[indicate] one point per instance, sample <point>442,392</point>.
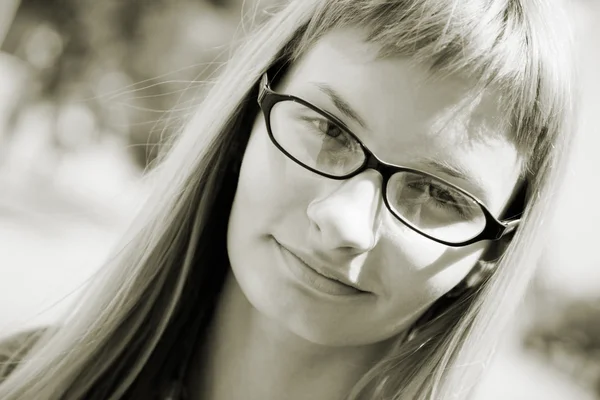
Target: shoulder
<point>14,348</point>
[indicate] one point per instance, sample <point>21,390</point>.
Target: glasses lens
<point>315,140</point>
<point>434,207</point>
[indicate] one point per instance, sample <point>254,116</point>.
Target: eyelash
<point>342,133</point>
<point>460,210</point>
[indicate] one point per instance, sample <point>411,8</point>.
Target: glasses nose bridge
<point>385,170</point>
<point>373,162</point>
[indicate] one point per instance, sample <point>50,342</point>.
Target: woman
<point>337,221</point>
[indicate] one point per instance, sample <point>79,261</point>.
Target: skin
<point>274,336</point>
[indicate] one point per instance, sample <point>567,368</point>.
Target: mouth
<point>317,277</point>
<point>328,276</point>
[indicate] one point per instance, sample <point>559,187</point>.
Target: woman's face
<point>283,213</point>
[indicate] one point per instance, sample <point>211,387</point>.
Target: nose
<point>347,219</point>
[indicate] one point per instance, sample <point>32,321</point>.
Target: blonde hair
<point>140,307</point>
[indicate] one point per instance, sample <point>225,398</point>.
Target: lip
<point>319,277</point>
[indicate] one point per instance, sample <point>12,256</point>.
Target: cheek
<point>262,174</point>
<point>271,187</point>
<point>259,166</point>
<point>447,271</point>
<point>418,271</point>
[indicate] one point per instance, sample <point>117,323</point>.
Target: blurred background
<point>87,90</point>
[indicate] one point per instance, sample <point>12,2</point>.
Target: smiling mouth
<point>317,278</point>
<point>325,275</point>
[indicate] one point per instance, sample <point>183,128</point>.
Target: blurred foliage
<point>565,332</point>
<point>135,66</point>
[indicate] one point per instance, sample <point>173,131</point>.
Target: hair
<point>158,291</point>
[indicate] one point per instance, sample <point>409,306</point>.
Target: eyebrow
<point>340,103</point>
<point>462,174</point>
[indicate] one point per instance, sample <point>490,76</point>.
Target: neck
<point>247,355</point>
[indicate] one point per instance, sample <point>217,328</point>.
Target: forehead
<point>409,113</point>
<point>389,89</point>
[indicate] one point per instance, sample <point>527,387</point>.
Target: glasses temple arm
<point>262,87</point>
<point>510,226</point>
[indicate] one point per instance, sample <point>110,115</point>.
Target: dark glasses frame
<point>494,228</point>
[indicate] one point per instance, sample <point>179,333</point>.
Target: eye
<point>427,190</point>
<point>441,194</point>
<point>328,128</point>
<point>448,197</point>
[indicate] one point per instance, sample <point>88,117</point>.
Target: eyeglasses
<point>321,143</point>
